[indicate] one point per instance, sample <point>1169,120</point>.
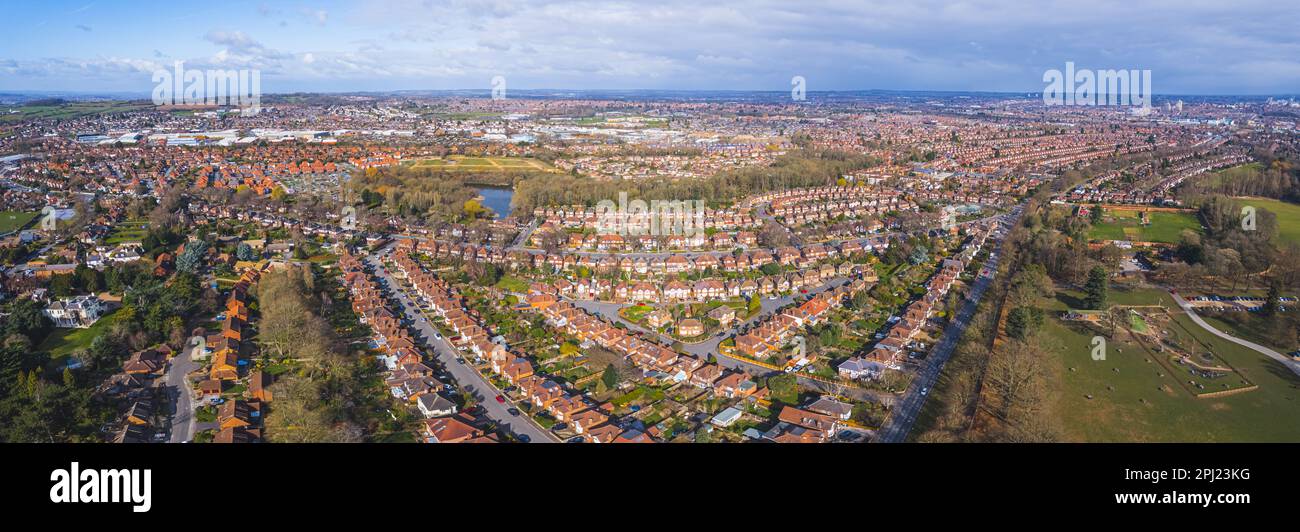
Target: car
<point>560,426</point>
<point>460,360</point>
<point>575,439</point>
<point>159,437</point>
<point>437,335</point>
<point>501,399</point>
<point>524,438</point>
<point>925,391</point>
<point>513,411</point>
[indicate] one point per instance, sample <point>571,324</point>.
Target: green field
<point>1288,216</point>
<point>66,111</point>
<point>1149,404</point>
<point>13,220</point>
<point>484,164</point>
<point>127,232</point>
<point>1165,227</point>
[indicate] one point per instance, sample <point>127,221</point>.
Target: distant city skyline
<point>1192,48</point>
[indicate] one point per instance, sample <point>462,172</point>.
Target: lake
<point>497,199</point>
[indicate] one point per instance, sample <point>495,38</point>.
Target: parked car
<point>501,399</point>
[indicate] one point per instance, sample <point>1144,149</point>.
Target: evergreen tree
<point>1095,291</point>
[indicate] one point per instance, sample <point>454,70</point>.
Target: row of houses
<point>610,241</point>
<point>657,363</point>
<point>592,218</point>
<point>408,377</point>
<point>702,290</point>
<point>588,419</point>
<point>890,351</point>
<point>238,421</point>
<point>797,256</point>
<point>767,337</point>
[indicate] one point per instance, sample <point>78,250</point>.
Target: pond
<point>497,199</point>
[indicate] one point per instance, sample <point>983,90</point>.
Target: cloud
<point>1197,45</point>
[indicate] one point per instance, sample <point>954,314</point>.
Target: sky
<point>1243,47</point>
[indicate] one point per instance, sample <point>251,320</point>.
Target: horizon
<point>144,95</point>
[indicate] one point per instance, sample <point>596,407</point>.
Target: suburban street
<point>904,413</point>
<point>466,376</point>
<point>182,402</point>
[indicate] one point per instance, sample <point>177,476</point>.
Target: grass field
<point>66,110</point>
<point>1288,216</point>
<point>13,220</point>
<point>127,232</point>
<point>1164,227</point>
<point>1135,398</point>
<point>484,164</point>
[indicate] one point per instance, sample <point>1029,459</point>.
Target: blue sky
<point>1191,46</point>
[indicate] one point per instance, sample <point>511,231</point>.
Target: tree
<point>610,377</point>
<point>26,318</point>
<point>191,259</point>
<point>1274,300</point>
<point>784,388</point>
<point>1023,321</point>
<point>1095,291</point>
<point>245,252</point>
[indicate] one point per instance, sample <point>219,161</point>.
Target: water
<point>497,199</point>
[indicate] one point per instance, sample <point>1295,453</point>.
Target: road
<point>905,411</point>
<point>181,395</point>
<point>465,375</point>
<point>1191,313</point>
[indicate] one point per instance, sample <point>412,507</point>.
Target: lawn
<point>127,232</point>
<point>1148,403</point>
<point>63,342</point>
<point>511,283</point>
<point>1288,216</point>
<point>13,220</point>
<point>1164,227</point>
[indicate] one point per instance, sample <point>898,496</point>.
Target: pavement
<point>904,413</point>
<point>465,375</point>
<point>181,395</point>
<point>1191,313</point>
